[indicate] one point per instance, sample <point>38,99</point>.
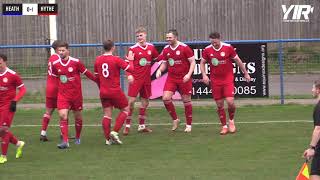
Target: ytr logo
<point>297,12</point>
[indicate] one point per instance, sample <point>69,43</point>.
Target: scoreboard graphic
<point>29,9</point>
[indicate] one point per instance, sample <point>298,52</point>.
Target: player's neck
<point>174,45</point>
<point>142,44</point>
<point>107,53</point>
<point>66,58</point>
<point>2,70</point>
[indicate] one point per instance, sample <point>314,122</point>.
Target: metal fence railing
<point>293,64</point>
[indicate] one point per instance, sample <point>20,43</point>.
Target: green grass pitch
<point>266,147</point>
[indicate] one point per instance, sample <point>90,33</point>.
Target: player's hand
<point>186,78</point>
<point>247,77</point>
<point>158,74</point>
<point>205,79</point>
<point>130,56</point>
<point>308,154</point>
<point>130,79</point>
<point>13,106</point>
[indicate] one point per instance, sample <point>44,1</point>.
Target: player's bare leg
<point>188,112</point>
<point>142,116</point>
<point>78,125</point>
<point>167,100</point>
<point>222,116</point>
<point>126,129</point>
<point>114,135</point>
<point>63,114</point>
<point>45,122</point>
<point>231,111</point>
<point>106,124</point>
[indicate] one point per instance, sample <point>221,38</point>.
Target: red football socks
<point>64,129</point>
<point>120,120</point>
<point>78,127</point>
<point>170,108</point>
<point>106,123</point>
<point>142,115</point>
<point>222,116</point>
<point>188,112</point>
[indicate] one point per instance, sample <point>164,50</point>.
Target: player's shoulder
<point>226,45</point>
<point>166,47</point>
<point>149,44</point>
<point>10,71</point>
<point>74,59</point>
<point>134,46</point>
<point>208,47</point>
<point>54,57</point>
<point>183,44</point>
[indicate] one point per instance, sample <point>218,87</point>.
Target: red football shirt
<point>68,72</point>
<point>107,68</point>
<point>9,82</point>
<point>52,81</point>
<point>177,60</point>
<point>143,57</point>
<point>220,60</point>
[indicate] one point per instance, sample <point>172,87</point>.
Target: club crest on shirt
<point>214,61</point>
<point>149,52</point>
<point>222,54</point>
<point>5,80</point>
<point>143,61</point>
<point>178,52</point>
<point>168,54</point>
<point>70,69</point>
<point>140,53</point>
<point>63,78</point>
<point>171,61</point>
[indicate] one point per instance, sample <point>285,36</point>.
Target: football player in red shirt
<point>68,70</point>
<point>51,93</point>
<point>10,81</point>
<point>220,56</point>
<point>107,70</point>
<point>180,61</point>
<point>140,79</point>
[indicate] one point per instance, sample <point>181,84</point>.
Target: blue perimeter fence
<point>121,51</point>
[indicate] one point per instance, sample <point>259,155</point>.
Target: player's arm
<point>205,78</point>
<point>309,153</point>
<point>243,69</point>
<point>191,69</point>
<point>86,72</point>
<point>21,92</point>
<point>130,57</point>
<point>163,61</point>
<point>96,73</point>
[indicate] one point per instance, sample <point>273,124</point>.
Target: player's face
<point>171,39</point>
<point>3,64</point>
<point>63,52</point>
<point>215,43</point>
<point>141,37</point>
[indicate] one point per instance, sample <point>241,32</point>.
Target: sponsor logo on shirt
<point>143,61</point>
<point>63,79</point>
<point>214,61</point>
<point>2,88</point>
<point>171,61</point>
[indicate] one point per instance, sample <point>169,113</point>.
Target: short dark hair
<point>214,35</point>
<point>108,45</point>
<point>3,57</point>
<point>56,44</point>
<point>62,44</point>
<point>173,31</point>
<point>317,84</point>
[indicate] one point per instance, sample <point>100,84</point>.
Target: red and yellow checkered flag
<point>303,173</point>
